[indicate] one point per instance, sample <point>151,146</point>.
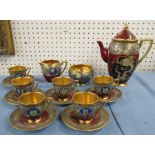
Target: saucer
<point>114,95</point>
<point>100,120</point>
<point>7,81</point>
<point>57,101</point>
<point>19,122</point>
<point>11,98</point>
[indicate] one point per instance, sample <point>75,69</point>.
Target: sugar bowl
<point>81,72</point>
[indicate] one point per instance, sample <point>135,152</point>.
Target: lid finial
<point>126,26</point>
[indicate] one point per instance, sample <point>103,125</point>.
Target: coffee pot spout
<point>104,51</point>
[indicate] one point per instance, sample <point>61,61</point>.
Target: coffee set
<point>84,110</point>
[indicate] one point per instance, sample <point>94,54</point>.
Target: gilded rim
<point>66,119</point>
<point>32,105</point>
<point>7,80</point>
<point>109,100</point>
<point>49,62</point>
<point>51,111</point>
<point>26,84</point>
<point>103,76</point>
<point>8,97</point>
<point>72,68</point>
<point>50,95</point>
<point>125,40</point>
<point>62,77</point>
<point>91,93</point>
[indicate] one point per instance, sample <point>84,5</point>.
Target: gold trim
<point>9,100</point>
<point>41,102</point>
<point>7,80</point>
<point>84,127</point>
<point>74,67</point>
<point>122,84</point>
<point>124,40</point>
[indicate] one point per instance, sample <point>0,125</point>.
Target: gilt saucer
<point>12,98</point>
<point>99,121</point>
<point>57,101</point>
<point>114,95</point>
<point>7,80</point>
<point>19,122</point>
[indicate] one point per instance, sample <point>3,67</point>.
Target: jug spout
<point>104,51</point>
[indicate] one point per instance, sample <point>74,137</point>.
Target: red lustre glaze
<point>63,98</point>
<point>122,66</point>
<point>43,117</point>
<point>49,78</point>
<point>95,120</point>
<point>125,34</point>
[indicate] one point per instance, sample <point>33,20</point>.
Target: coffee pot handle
<point>150,42</point>
<point>63,62</point>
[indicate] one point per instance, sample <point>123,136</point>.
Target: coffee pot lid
<point>125,35</point>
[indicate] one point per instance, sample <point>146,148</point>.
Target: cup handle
<point>35,85</point>
<point>116,83</point>
<point>63,62</point>
<point>28,69</point>
<point>75,83</point>
<point>48,102</point>
<point>150,41</point>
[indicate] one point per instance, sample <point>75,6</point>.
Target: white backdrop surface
<point>74,41</point>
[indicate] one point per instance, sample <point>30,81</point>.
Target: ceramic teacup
<point>23,84</point>
<point>32,104</point>
<point>81,72</point>
<point>52,68</point>
<point>63,86</point>
<point>18,71</point>
<point>86,105</point>
<point>103,85</point>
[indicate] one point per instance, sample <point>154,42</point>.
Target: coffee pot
<point>122,55</point>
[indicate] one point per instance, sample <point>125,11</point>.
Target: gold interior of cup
<point>21,81</point>
<point>62,81</point>
<point>49,62</point>
<point>31,98</point>
<point>85,98</point>
<point>17,68</point>
<point>103,80</point>
<point>81,68</point>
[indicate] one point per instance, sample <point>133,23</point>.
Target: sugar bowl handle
<point>63,62</point>
<point>150,42</point>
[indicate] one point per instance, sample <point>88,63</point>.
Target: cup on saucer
<point>103,85</point>
<point>23,84</point>
<point>32,104</point>
<point>18,71</point>
<point>63,87</point>
<point>86,106</point>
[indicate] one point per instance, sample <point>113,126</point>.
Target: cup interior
<point>85,98</point>
<point>31,98</point>
<point>49,62</point>
<point>21,81</point>
<point>103,80</point>
<point>17,69</point>
<point>62,81</point>
<point>81,68</point>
